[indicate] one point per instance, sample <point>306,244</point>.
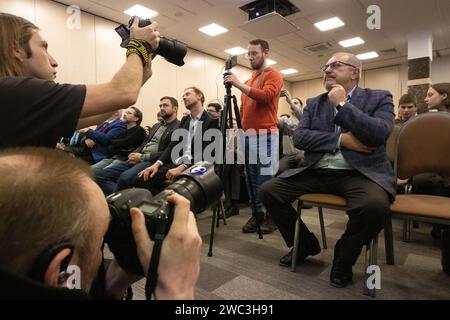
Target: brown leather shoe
<point>310,249</point>
<point>250,225</point>
<point>268,226</point>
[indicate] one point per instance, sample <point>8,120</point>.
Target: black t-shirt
<point>37,112</point>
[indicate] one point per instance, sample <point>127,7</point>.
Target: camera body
<point>231,62</point>
<point>199,184</point>
<point>172,50</point>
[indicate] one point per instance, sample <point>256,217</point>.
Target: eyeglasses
<point>251,54</point>
<point>335,65</point>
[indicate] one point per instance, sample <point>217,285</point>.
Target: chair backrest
<point>423,145</point>
<point>390,143</point>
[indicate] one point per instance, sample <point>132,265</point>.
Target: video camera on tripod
<point>230,63</point>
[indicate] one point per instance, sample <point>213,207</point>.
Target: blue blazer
<point>369,116</point>
<point>103,139</point>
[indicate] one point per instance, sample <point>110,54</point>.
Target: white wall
<point>440,70</point>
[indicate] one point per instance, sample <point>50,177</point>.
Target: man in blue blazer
<point>343,133</point>
<point>99,139</point>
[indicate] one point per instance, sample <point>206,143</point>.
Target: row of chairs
<point>421,145</point>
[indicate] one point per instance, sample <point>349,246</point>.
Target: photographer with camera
<point>259,108</point>
<point>44,243</point>
<point>39,111</point>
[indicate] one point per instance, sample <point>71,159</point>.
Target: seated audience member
<point>147,129</point>
<point>214,109</point>
<point>122,172</point>
<point>40,111</point>
<point>290,155</point>
<point>159,116</point>
<point>407,107</point>
<point>343,133</point>
<point>166,168</point>
<point>62,222</point>
<point>97,141</point>
<point>131,139</point>
<point>438,98</point>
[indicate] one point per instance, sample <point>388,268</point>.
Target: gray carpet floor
<point>245,267</point>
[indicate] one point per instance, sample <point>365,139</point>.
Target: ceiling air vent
<point>318,47</point>
<point>388,51</point>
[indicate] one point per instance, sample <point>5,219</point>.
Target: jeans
<point>261,158</point>
<point>119,175</point>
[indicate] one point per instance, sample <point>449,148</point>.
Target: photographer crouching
<point>44,243</point>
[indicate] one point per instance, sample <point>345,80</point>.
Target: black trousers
<point>368,206</point>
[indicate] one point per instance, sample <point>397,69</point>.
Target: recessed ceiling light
<point>236,51</point>
<point>367,55</point>
<point>271,62</point>
<point>329,24</point>
<point>141,12</point>
<point>351,42</point>
<point>213,29</point>
<point>289,71</point>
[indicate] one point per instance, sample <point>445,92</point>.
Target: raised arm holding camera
<point>39,110</point>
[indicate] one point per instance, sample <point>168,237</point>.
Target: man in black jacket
<point>131,139</point>
<point>121,173</point>
<point>172,163</point>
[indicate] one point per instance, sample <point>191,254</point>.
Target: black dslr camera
<point>172,50</point>
<point>199,184</point>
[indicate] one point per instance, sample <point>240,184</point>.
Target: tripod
<point>227,120</point>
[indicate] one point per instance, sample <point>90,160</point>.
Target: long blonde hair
<point>15,32</point>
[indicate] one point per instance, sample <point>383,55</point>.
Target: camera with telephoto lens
<point>172,50</point>
<point>199,184</point>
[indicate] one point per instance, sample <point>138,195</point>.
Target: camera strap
<point>152,275</point>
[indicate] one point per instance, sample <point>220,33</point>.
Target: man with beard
<point>172,163</point>
<point>343,132</point>
<point>259,108</point>
<point>122,172</point>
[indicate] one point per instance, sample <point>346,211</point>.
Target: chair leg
<point>389,241</point>
<point>296,243</point>
<point>407,230</point>
<point>322,228</point>
<point>296,237</point>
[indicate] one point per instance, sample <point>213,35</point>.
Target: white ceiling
<point>181,19</point>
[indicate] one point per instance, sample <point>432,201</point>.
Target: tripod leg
<point>211,238</point>
<point>221,212</point>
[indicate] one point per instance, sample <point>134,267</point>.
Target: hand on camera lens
<point>149,33</point>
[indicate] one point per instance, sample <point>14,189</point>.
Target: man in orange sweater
<point>259,108</point>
